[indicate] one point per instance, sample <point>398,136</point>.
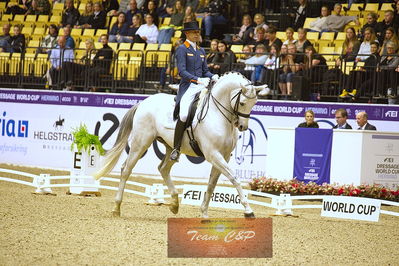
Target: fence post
<point>42,180</point>
<point>283,204</point>
<point>156,192</point>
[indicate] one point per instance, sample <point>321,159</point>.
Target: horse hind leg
<point>164,168</point>
<point>133,157</point>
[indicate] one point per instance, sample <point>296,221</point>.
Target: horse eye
<point>242,104</point>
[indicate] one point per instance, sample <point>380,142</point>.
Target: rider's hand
<point>215,77</point>
<point>204,81</point>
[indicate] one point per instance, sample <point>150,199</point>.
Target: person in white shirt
<point>147,32</point>
<point>320,22</point>
<point>365,47</point>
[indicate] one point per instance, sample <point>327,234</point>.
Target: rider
<point>194,73</point>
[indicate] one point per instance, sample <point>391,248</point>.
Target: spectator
<point>320,23</point>
<point>134,10</point>
<point>97,20</point>
<point>271,66</point>
<point>302,41</point>
<point>245,34</point>
<point>289,32</point>
<point>176,22</point>
<point>285,75</point>
<point>73,70</point>
<point>5,38</point>
<point>189,14</point>
<point>371,23</point>
<point>243,68</point>
<point>213,15</point>
<point>256,62</point>
<point>337,22</point>
<point>152,10</point>
<point>120,28</point>
<point>85,17</point>
<point>213,49</point>
<point>223,60</point>
<point>19,8</point>
<point>137,21</point>
<point>70,15</point>
<point>259,20</point>
<point>300,13</point>
<point>70,42</point>
<point>124,6</point>
<point>49,41</point>
<point>39,7</point>
<point>261,38</point>
<point>350,47</point>
<point>315,65</point>
<point>341,115</point>
<point>389,62</point>
<point>396,14</point>
<point>390,35</point>
<point>382,26</point>
<point>364,50</point>
<point>271,37</point>
<point>17,41</point>
<point>147,32</point>
<point>101,62</point>
<point>361,119</point>
<point>309,120</point>
<point>110,5</point>
<point>165,8</point>
<point>193,4</point>
<point>62,53</point>
<point>364,79</point>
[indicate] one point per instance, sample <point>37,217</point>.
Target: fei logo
<point>13,128</point>
<point>391,113</point>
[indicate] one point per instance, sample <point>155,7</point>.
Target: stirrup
<point>175,154</point>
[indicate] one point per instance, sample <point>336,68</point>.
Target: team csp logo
<point>13,128</point>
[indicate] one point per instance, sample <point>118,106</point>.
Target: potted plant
<point>84,141</point>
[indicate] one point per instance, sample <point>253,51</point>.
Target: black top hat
<point>192,25</point>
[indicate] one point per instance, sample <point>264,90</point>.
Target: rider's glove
<point>204,81</point>
<point>215,77</point>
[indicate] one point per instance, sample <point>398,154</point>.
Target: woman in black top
<point>309,117</point>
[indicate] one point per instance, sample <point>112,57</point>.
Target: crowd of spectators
<point>370,45</point>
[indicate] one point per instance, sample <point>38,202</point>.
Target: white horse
<point>226,108</point>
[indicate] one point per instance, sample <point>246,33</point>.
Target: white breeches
<point>186,100</point>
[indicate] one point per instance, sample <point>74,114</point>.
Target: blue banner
<point>312,158</point>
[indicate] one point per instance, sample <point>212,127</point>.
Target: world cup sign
<point>220,238</point>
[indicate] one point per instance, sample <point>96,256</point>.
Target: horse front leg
<point>164,168</point>
<point>213,179</point>
<point>220,163</point>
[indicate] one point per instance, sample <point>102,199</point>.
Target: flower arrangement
<point>296,187</point>
<point>83,140</point>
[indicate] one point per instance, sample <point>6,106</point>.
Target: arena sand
<point>75,230</point>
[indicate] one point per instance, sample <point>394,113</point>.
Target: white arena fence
<point>155,193</point>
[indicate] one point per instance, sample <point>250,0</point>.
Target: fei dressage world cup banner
<point>312,159</point>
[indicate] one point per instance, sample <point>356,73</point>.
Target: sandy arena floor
<point>74,230</point>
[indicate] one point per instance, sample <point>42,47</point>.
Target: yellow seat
<point>6,17</point>
<point>120,68</point>
<point>331,64</point>
<point>55,19</point>
<point>113,21</point>
<point>165,21</point>
<point>98,45</point>
<point>151,54</point>
<point>326,39</point>
<point>306,25</point>
<point>165,47</point>
<point>125,46</point>
<point>281,35</point>
<point>41,65</point>
<point>100,32</point>
<point>15,63</point>
<point>2,6</point>
<point>371,7</point>
<point>76,32</point>
<point>19,18</point>
<point>386,6</point>
<point>27,31</point>
<point>30,18</point>
<point>29,63</point>
<point>4,63</point>
<point>347,67</point>
<point>312,36</point>
<point>236,48</point>
<point>79,53</point>
<point>42,21</point>
<point>58,6</point>
<point>177,34</point>
<point>39,32</point>
<point>89,32</point>
<point>133,68</point>
<point>113,45</point>
<point>327,52</point>
<point>338,49</point>
<point>338,43</point>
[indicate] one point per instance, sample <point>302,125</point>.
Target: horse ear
<point>262,90</point>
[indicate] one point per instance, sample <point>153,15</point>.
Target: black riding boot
<point>179,132</point>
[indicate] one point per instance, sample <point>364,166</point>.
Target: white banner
<point>351,208</point>
<point>222,197</point>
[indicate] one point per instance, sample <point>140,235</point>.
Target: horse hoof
<point>250,215</point>
<point>116,214</point>
<point>174,209</point>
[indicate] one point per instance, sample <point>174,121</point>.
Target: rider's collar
<point>193,44</point>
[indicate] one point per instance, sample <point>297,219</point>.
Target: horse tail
<point>113,154</point>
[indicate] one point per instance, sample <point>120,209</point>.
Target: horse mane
<point>228,74</point>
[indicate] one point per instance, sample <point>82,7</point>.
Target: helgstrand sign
<point>351,208</point>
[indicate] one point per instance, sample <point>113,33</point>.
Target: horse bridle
<point>235,112</point>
